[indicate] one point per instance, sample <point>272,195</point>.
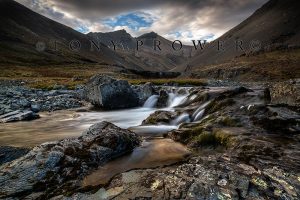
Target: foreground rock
<point>109,93</point>
<point>207,177</point>
<point>57,167</point>
<point>8,154</point>
<point>244,148</point>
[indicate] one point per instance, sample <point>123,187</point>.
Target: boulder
<point>109,93</point>
<point>144,92</point>
<point>160,117</point>
<point>51,167</point>
<point>162,99</point>
<point>18,115</point>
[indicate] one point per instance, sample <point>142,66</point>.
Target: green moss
<point>152,120</point>
<point>217,138</point>
<point>230,122</point>
<point>218,105</point>
<point>260,183</point>
<point>205,139</point>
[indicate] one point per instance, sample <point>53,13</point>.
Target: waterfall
<point>175,100</point>
<point>184,117</point>
<point>198,114</point>
<point>151,101</point>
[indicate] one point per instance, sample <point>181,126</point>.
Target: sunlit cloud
<point>174,19</point>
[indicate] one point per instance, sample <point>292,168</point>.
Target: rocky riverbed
<point>244,143</point>
<point>18,103</point>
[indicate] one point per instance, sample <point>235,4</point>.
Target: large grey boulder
<point>54,167</point>
<point>109,93</point>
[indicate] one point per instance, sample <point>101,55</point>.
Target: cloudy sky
<point>174,19</point>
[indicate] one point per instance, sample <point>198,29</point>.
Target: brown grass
<point>46,77</point>
<point>180,82</point>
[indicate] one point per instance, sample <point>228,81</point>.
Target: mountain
<point>146,56</point>
<point>275,26</point>
<point>117,36</point>
<point>22,29</point>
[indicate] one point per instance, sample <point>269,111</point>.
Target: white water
<point>184,117</point>
<point>151,102</point>
<point>175,100</point>
<point>198,114</point>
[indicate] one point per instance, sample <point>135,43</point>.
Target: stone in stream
<point>56,167</point>
<point>160,116</point>
<point>162,99</point>
<point>109,93</point>
<point>18,116</point>
<point>144,91</point>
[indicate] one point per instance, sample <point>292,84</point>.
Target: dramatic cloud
<point>173,19</point>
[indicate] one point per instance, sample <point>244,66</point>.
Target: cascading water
<point>184,117</point>
<point>151,101</point>
<point>198,114</point>
<point>176,99</point>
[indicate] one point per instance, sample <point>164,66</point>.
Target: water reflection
<point>152,153</point>
<point>65,124</point>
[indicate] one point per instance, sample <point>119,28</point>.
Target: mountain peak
<point>149,35</point>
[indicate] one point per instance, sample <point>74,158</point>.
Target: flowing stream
<point>155,151</point>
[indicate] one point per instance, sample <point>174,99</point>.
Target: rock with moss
<point>56,167</point>
<point>160,117</point>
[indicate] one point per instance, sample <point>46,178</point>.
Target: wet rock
<point>18,116</point>
<point>8,154</point>
<point>160,117</point>
<point>109,93</point>
<point>267,95</point>
<point>162,99</point>
<point>144,92</point>
<point>55,167</point>
<point>35,108</point>
<point>278,119</point>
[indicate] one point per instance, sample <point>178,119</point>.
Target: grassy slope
<point>271,66</point>
<point>45,77</point>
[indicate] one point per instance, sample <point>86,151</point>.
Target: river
<point>155,151</point>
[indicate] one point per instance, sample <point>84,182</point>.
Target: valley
<point>93,114</point>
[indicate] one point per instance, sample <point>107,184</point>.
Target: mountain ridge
<point>261,27</point>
